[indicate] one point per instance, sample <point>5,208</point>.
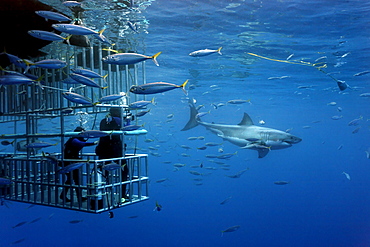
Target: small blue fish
<point>18,62</point>
<point>205,52</point>
<point>6,143</point>
<point>336,117</point>
<point>47,64</point>
<point>109,98</point>
<point>102,38</point>
<point>362,73</point>
<point>77,98</point>
<point>35,220</point>
<point>71,4</point>
<point>226,156</point>
<point>19,224</point>
<point>201,114</point>
<point>212,144</point>
<point>202,148</point>
<point>71,167</point>
<point>87,73</point>
<point>238,101</point>
<point>230,229</point>
<point>14,79</point>
<point>45,35</point>
<point>5,181</point>
<point>69,80</point>
<point>85,80</point>
<point>129,58</point>
<point>40,145</point>
<point>347,175</point>
<point>140,104</point>
<point>157,87</point>
<point>74,29</point>
<point>142,113</point>
<point>158,207</point>
<point>50,15</point>
<point>355,122</point>
<point>132,26</point>
<point>226,200</point>
<point>75,221</point>
<point>365,95</point>
<point>18,241</point>
<point>52,158</point>
<point>67,110</point>
<point>112,166</point>
<point>281,182</point>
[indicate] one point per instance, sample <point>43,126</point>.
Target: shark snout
<point>293,139</point>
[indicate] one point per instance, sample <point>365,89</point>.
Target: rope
<point>341,84</point>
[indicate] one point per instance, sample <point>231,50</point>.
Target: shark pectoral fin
<point>262,152</point>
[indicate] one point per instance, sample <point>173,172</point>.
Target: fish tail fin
<point>28,64</point>
<point>68,38</point>
<point>154,57</point>
<point>193,117</point>
<point>101,31</point>
<point>109,49</point>
<point>183,87</point>
<point>219,50</point>
<point>38,82</point>
<point>153,102</point>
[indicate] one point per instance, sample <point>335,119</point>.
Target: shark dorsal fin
<point>246,120</point>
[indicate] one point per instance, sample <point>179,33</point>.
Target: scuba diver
<point>72,150</point>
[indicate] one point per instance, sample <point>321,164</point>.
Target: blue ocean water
<point>320,206</point>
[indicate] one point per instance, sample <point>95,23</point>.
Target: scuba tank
<point>96,192</point>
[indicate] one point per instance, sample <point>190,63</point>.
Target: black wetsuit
<point>112,147</point>
<point>72,150</point>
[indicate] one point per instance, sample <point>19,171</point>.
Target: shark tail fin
<point>193,117</point>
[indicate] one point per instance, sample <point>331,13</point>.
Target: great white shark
<point>245,134</point>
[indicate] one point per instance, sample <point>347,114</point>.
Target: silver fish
<point>74,29</point>
<point>157,87</point>
<point>111,97</point>
<point>5,181</point>
<point>230,229</point>
<point>45,35</point>
<point>205,52</point>
<point>39,145</point>
<point>87,73</point>
<point>50,15</point>
<point>71,167</point>
<point>85,80</point>
<point>77,98</point>
<point>140,104</point>
<point>112,166</point>
<point>129,58</point>
<point>281,182</point>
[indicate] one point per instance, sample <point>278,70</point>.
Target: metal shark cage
<point>38,113</point>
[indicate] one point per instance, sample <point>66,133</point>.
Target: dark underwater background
<point>326,201</point>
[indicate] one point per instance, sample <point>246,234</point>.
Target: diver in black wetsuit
<point>72,150</point>
<point>111,146</point>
